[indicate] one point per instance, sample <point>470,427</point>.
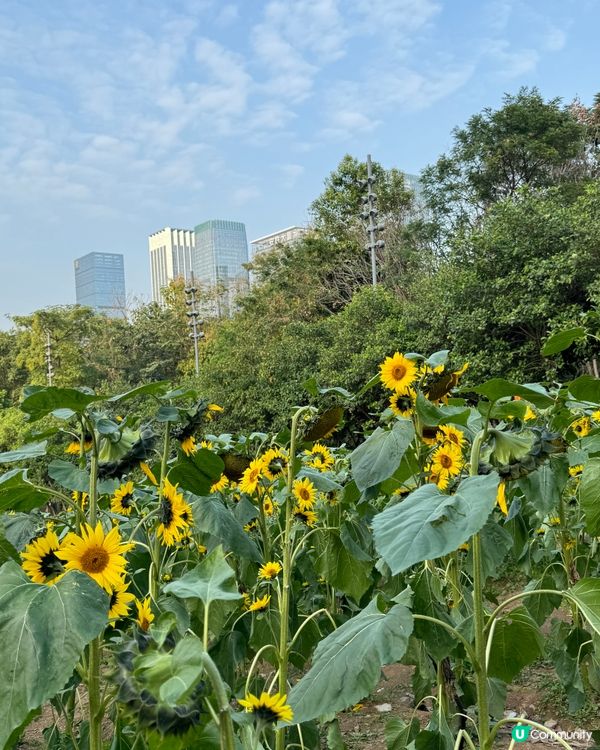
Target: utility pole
<point>193,319</point>
<point>48,349</point>
<point>369,216</point>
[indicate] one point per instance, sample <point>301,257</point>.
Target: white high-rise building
<point>282,237</point>
<point>171,257</point>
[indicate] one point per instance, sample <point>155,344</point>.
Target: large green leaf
<point>517,642</point>
<point>379,456</point>
<point>340,568</point>
<point>198,472</point>
<point>586,388</point>
<point>69,476</point>
<point>589,496</point>
<point>347,664</point>
<point>158,387</point>
<point>500,388</point>
<point>586,594</point>
<point>16,493</point>
<point>212,517</point>
<point>428,600</point>
<point>31,450</point>
<point>7,551</point>
<point>562,340</point>
<point>213,579</point>
<point>41,401</point>
<point>429,524</point>
<point>44,631</point>
<point>433,415</point>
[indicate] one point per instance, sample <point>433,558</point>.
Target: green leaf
<point>41,401</point>
<point>347,664</point>
<point>167,414</point>
<point>562,340</point>
<point>212,517</point>
<point>517,642</point>
<point>69,476</point>
<point>198,472</point>
<point>428,600</point>
<point>17,494</point>
<point>585,388</point>
<point>20,528</point>
<point>31,450</point>
<point>399,734</point>
<point>589,496</point>
<point>186,669</point>
<point>321,480</point>
<point>586,594</point>
<point>44,631</point>
<point>429,524</point>
<point>500,388</point>
<point>380,455</point>
<point>340,568</point>
<point>157,387</point>
<point>7,551</point>
<point>213,579</point>
<point>433,415</point>
<point>540,607</point>
<point>495,544</point>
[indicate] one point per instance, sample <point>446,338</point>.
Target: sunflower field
<point>167,585</point>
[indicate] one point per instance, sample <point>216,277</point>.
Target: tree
<point>526,142</point>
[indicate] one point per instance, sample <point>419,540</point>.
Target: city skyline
<point>100,282</point>
<point>121,118</point>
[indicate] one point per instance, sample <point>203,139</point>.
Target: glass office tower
<point>221,249</point>
<point>100,283</point>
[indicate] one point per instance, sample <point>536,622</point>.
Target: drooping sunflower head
<point>251,476</point>
<point>402,403</point>
<point>98,554</point>
<point>398,372</point>
<point>122,501</point>
<point>220,484</point>
<point>188,445</point>
<point>304,492</point>
<point>320,457</point>
<point>120,599</point>
<point>144,613</point>
<point>259,605</point>
<point>447,460</point>
<point>269,570</point>
<point>40,560</point>
<point>308,517</point>
<point>268,709</point>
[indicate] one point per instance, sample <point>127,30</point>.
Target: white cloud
<point>511,63</point>
<point>291,173</point>
<point>246,194</point>
<point>555,39</point>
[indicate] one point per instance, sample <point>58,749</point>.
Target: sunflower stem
<point>284,598</point>
<point>95,702</point>
<point>478,616</point>
<point>225,722</point>
<point>155,547</point>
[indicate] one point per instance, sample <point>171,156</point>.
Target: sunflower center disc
<point>399,372</point>
<point>94,560</point>
<point>446,461</point>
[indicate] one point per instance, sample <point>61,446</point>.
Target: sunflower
<point>575,471</point>
<point>304,492</point>
<point>40,560</point>
<point>449,434</point>
<point>268,506</point>
<point>309,517</point>
<point>213,409</point>
<point>529,414</point>
<point>501,498</point>
<point>80,498</point>
<point>251,476</point>
<point>268,708</point>
<point>402,403</point>
<point>274,463</point>
<point>596,415</point>
<point>259,605</point>
<point>269,570</point>
<point>188,445</point>
<point>436,477</point>
<point>144,613</point>
<point>321,458</point>
<point>122,501</point>
<point>74,447</point>
<point>172,509</point>
<point>120,599</point>
<point>447,461</point>
<point>398,372</point>
<point>251,526</point>
<point>148,472</point>
<point>206,444</point>
<point>98,554</point>
<point>220,484</point>
<point>581,427</point>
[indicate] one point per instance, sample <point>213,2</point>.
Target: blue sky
<point>119,118</point>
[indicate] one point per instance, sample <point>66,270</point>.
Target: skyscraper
<point>100,283</point>
<point>281,237</point>
<point>171,256</point>
<point>221,249</point>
